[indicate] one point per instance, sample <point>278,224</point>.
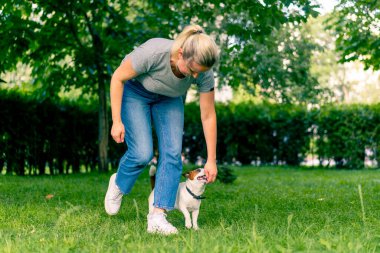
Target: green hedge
<point>286,134</point>
<point>265,134</point>
<point>345,132</point>
<point>63,136</point>
<point>35,134</point>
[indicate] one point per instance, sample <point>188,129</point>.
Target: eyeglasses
<point>192,72</point>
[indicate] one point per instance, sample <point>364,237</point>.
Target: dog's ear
<point>186,174</point>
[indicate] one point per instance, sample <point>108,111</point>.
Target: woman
<point>147,88</point>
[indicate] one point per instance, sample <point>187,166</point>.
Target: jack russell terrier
<point>189,195</point>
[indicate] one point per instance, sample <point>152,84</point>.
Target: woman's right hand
<point>118,132</point>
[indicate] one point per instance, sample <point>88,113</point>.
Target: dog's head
<point>196,176</point>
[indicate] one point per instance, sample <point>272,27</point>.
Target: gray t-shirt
<point>151,61</point>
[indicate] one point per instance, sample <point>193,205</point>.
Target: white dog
<point>189,195</point>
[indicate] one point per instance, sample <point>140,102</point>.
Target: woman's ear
<point>180,53</point>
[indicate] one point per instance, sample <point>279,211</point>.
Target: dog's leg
<point>195,214</point>
<point>151,200</point>
<point>152,174</point>
<point>187,216</point>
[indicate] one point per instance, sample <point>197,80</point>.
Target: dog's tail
<point>152,174</point>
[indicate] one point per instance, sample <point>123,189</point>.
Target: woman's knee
<point>173,157</point>
<point>139,157</point>
<point>144,158</point>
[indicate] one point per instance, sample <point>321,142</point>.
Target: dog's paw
<point>196,228</point>
<point>188,226</point>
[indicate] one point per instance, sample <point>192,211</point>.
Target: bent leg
<point>136,117</point>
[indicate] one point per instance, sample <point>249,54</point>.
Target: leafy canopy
<point>357,27</point>
<point>76,43</point>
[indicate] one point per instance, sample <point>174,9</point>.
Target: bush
<point>268,134</point>
<point>36,133</point>
<point>344,133</point>
<point>63,136</point>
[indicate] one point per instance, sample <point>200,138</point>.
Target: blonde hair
<point>197,46</point>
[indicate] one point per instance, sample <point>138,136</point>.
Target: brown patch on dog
<point>193,174</point>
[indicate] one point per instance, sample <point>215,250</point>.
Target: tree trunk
<point>103,124</point>
<point>103,116</point>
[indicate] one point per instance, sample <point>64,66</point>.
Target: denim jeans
<point>139,108</point>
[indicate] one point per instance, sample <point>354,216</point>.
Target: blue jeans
<point>139,108</point>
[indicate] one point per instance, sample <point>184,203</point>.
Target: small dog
<point>189,195</point>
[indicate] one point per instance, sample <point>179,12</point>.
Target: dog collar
<point>194,196</point>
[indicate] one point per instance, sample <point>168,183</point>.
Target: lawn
<point>264,210</point>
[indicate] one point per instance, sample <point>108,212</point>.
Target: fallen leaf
<point>49,196</point>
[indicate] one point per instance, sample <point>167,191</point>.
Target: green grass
<point>265,210</point>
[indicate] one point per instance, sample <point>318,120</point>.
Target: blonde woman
<point>146,89</point>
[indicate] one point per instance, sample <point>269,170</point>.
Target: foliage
<point>345,133</point>
<point>249,35</point>
<point>279,67</point>
<point>267,134</point>
<point>348,82</point>
<point>330,73</point>
<point>357,26</point>
<point>249,38</point>
<point>36,134</point>
<point>259,133</point>
<point>226,175</point>
<point>75,43</point>
<point>78,43</point>
<point>72,44</point>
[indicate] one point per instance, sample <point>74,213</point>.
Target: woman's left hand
<point>211,171</point>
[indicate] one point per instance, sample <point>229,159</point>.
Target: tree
<point>78,43</point>
<point>348,81</point>
<point>281,64</point>
<point>357,27</point>
<point>75,43</point>
<point>250,34</point>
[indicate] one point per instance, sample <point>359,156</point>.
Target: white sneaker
<point>157,223</point>
<point>113,197</point>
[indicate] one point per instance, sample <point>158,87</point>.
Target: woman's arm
<point>123,73</point>
<point>208,117</point>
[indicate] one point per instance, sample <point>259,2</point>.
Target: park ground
<point>267,209</point>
